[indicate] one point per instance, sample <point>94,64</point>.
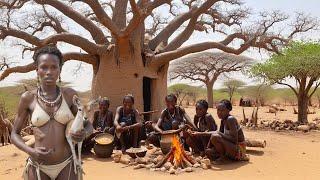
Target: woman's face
<point>103,106</point>
<point>222,111</point>
<point>200,110</point>
<point>170,104</point>
<point>127,103</point>
<point>48,69</point>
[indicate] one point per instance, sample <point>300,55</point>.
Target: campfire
<point>174,162</point>
<point>177,156</point>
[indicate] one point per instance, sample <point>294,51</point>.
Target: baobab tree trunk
<point>129,76</point>
<point>210,94</point>
<point>303,108</point>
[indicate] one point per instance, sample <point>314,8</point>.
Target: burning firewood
<point>176,157</point>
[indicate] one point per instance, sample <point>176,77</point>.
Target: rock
<point>158,159</point>
<point>277,129</point>
<point>318,126</point>
<point>198,159</point>
<point>158,169</point>
<point>149,166</point>
<point>189,169</point>
<point>167,165</point>
<point>172,171</point>
<point>204,166</point>
<point>124,161</point>
<point>117,157</point>
<point>312,126</point>
<point>163,169</point>
<point>196,165</point>
<point>152,169</point>
<point>140,160</point>
<point>139,166</point>
<point>304,128</point>
<point>206,161</point>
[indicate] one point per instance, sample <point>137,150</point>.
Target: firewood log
<point>256,143</point>
<point>165,159</point>
<point>189,158</point>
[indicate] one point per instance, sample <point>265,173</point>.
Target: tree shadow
<point>255,152</point>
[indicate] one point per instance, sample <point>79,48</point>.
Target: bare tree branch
<point>66,57</point>
<point>102,16</point>
<point>94,30</point>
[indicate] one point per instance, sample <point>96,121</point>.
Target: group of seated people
<point>201,134</point>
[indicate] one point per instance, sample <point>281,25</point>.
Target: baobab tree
<point>111,36</point>
<point>206,67</point>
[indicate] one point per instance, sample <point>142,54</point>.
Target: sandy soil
<point>291,155</point>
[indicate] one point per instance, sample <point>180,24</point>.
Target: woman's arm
<point>138,120</point>
<point>212,126</point>
<point>188,119</point>
<point>19,122</point>
<point>116,119</point>
<point>159,122</point>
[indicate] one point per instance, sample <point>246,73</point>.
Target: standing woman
<point>51,108</point>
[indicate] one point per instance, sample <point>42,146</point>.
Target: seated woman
<point>128,124</point>
<point>198,140</point>
<point>51,108</point>
<point>229,141</point>
<point>171,118</point>
<point>102,123</point>
<point>103,118</point>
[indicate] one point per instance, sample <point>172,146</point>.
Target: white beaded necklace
<point>47,102</point>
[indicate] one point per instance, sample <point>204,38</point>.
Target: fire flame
<point>177,149</point>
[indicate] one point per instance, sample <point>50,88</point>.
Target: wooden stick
<point>185,160</point>
<point>148,112</point>
<point>190,159</point>
<point>165,159</point>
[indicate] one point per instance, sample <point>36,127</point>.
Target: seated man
<point>171,118</point>
<point>229,141</point>
<point>103,118</point>
<point>128,124</point>
<point>198,140</point>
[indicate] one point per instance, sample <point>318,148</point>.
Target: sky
<point>81,81</point>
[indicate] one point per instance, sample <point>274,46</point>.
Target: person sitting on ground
<point>102,123</point>
<point>172,118</point>
<point>103,118</point>
<point>128,124</point>
<point>198,140</point>
<point>229,141</point>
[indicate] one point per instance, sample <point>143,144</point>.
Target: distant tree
<point>260,93</point>
<point>300,61</point>
<point>183,91</point>
<point>232,85</point>
<point>206,67</point>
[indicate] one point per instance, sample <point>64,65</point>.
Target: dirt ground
<point>288,155</point>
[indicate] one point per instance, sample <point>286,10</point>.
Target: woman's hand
<point>40,154</point>
<point>78,136</point>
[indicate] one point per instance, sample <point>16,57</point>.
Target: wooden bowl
<point>137,152</point>
<point>104,145</point>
